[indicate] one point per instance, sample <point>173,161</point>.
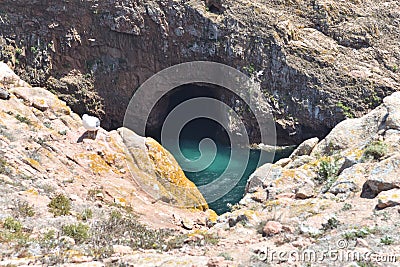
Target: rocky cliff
<point>321,61</point>
<point>55,180</point>
<point>71,201</point>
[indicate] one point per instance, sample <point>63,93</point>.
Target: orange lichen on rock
<point>96,163</point>
<point>171,176</point>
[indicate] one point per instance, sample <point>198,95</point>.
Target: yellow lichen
<point>211,215</point>
<point>32,191</point>
<point>33,163</point>
<point>173,178</point>
<point>96,163</point>
<point>120,201</point>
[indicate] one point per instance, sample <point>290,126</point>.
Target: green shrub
<point>332,223</point>
<point>327,172</point>
<point>3,165</point>
<point>127,230</point>
<point>60,205</point>
<point>79,232</point>
<point>226,256</point>
<point>327,168</point>
<point>49,235</point>
<point>346,206</point>
<point>387,240</point>
<point>18,51</point>
<point>115,215</point>
<point>357,233</point>
<point>86,215</point>
<point>12,225</point>
<point>375,150</point>
<point>64,132</point>
<point>34,49</point>
<point>23,119</point>
<point>24,209</point>
<point>345,109</point>
<point>210,239</point>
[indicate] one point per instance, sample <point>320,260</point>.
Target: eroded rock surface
<point>59,185</point>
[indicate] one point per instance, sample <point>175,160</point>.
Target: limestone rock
<point>384,176</point>
<point>81,259</point>
<point>350,180</point>
<point>283,162</point>
<point>158,173</point>
<point>4,94</point>
<point>392,103</point>
<point>8,76</point>
<point>352,133</point>
<point>299,161</point>
<point>121,249</point>
<point>389,198</point>
<point>306,191</point>
<point>275,180</point>
<point>256,180</point>
<point>305,148</point>
<point>362,243</point>
<point>187,224</point>
<point>272,228</point>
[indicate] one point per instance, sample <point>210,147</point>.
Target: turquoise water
<point>189,145</point>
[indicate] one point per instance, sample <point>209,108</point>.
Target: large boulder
<point>352,133</point>
<point>276,180</point>
<point>384,176</point>
<point>389,199</point>
<point>350,180</point>
<point>158,173</point>
<point>392,103</point>
<point>305,148</point>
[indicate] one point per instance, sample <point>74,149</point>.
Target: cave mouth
<point>215,9</point>
<point>198,129</point>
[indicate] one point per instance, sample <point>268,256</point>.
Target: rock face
<point>319,61</point>
<point>162,177</point>
<point>42,139</point>
<point>358,156</point>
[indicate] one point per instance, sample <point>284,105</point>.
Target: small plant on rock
<point>60,205</point>
<point>357,233</point>
<point>332,223</point>
<point>18,51</point>
<point>12,225</point>
<point>346,110</point>
<point>79,232</point>
<point>375,150</point>
<point>226,256</point>
<point>23,119</point>
<point>346,206</point>
<point>387,240</point>
<point>24,209</point>
<point>85,215</point>
<point>3,166</point>
<point>328,169</point>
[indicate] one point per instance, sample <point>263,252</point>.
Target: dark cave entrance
<point>194,131</point>
<point>214,6</point>
<point>201,127</point>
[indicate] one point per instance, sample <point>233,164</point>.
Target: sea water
<point>189,140</point>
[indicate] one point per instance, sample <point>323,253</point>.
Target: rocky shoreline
<point>75,204</point>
